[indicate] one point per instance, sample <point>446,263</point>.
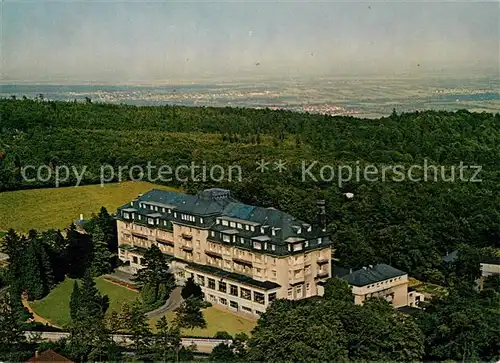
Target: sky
<point>170,41</point>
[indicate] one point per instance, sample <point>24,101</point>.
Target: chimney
<point>322,214</point>
<point>81,217</point>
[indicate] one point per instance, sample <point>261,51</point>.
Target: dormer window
<point>262,230</point>
<point>309,229</point>
<point>306,244</point>
<point>126,215</point>
<point>320,240</point>
<point>299,230</point>
<point>297,246</point>
<point>151,221</point>
<point>239,226</point>
<point>201,220</point>
<point>257,245</point>
<point>169,210</point>
<point>273,247</point>
<point>252,228</point>
<point>273,232</point>
<point>232,224</point>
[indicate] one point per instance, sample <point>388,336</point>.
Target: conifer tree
<point>13,344</point>
<point>33,283</point>
<point>74,303</point>
<point>101,256</point>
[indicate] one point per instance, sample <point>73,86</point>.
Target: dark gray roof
<point>370,275</point>
<point>450,257</point>
<point>212,203</point>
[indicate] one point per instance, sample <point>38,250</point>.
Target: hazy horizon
<point>173,42</point>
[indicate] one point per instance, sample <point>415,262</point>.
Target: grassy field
<point>58,207</point>
<point>55,306</point>
<point>217,320</point>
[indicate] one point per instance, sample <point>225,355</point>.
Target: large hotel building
<point>242,256</point>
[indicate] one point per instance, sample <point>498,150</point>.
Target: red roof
<point>48,356</point>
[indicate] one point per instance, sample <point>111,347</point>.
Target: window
<point>242,240</point>
<point>257,245</point>
<point>308,286</point>
<point>134,259</point>
<point>224,223</point>
<point>222,301</point>
<point>175,215</point>
<point>211,284</point>
<point>226,238</point>
<point>239,226</point>
<point>273,273</point>
<point>222,286</point>
<point>258,297</point>
<point>306,244</point>
<point>232,224</point>
<point>233,304</point>
<point>272,296</point>
<point>233,290</point>
<point>290,293</point>
<point>252,228</point>
<point>273,232</point>
<point>320,240</point>
<point>245,294</point>
<point>297,246</point>
<point>163,210</point>
<point>201,220</point>
<point>244,308</point>
<point>126,215</point>
<point>212,233</point>
<point>299,291</point>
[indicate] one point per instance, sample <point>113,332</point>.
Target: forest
<point>410,225</point>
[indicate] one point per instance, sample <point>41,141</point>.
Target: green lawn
<point>58,207</point>
<point>55,306</point>
<point>217,320</point>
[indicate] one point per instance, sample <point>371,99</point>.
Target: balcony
<point>187,249</point>
<point>187,236</point>
<point>322,260</point>
<point>165,242</point>
<point>322,274</point>
<point>213,254</point>
<point>242,262</point>
<point>140,235</point>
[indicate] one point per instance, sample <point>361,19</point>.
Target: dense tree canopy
<point>409,225</point>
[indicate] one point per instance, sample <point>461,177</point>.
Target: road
<point>202,345</point>
<point>172,303</point>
